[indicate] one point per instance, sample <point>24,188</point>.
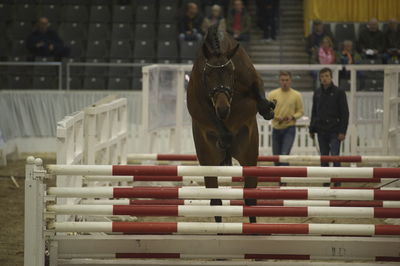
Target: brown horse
<point>224,94</point>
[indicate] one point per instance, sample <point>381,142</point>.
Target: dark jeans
<point>282,142</point>
<point>329,145</point>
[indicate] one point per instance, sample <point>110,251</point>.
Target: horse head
<point>218,72</point>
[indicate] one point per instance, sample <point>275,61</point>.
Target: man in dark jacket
<point>330,116</point>
<point>392,41</point>
<point>190,24</point>
<point>314,40</point>
<point>238,22</point>
<point>371,41</point>
<point>46,42</point>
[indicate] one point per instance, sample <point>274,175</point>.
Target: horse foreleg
<point>246,152</point>
<point>264,107</point>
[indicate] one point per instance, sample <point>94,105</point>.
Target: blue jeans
<point>282,141</point>
<point>329,145</point>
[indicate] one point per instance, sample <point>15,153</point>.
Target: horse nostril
<point>223,112</point>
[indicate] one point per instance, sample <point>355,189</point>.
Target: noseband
<point>220,88</point>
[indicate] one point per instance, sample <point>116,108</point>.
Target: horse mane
<point>213,40</point>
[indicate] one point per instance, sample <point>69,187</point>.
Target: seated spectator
<point>326,55</point>
<point>214,18</point>
<point>224,4</point>
<point>238,22</point>
<point>46,42</point>
<point>267,11</point>
<point>190,24</point>
<point>313,40</point>
<point>371,40</point>
<point>347,55</point>
<point>392,41</point>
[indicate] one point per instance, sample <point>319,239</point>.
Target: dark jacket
<point>49,37</point>
<point>330,112</point>
<point>190,24</point>
<point>371,40</point>
<point>245,21</point>
<point>392,39</point>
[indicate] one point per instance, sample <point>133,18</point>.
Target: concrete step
<point>292,13</point>
<point>284,54</point>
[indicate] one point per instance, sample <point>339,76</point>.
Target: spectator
<point>392,41</point>
<point>329,116</point>
<point>314,39</point>
<point>214,18</point>
<point>46,42</point>
<point>326,54</point>
<point>267,13</point>
<point>190,24</point>
<point>348,56</point>
<point>238,22</point>
<point>371,40</point>
<point>289,108</point>
<point>222,3</point>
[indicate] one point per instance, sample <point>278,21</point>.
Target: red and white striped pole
<point>288,203</point>
<point>226,211</point>
<point>173,170</point>
<point>276,158</point>
<point>227,228</point>
<point>224,193</point>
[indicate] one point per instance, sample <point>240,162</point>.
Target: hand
<point>312,135</point>
<point>51,47</point>
<point>265,108</point>
<point>341,137</point>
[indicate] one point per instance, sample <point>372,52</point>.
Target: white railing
<point>166,122</point>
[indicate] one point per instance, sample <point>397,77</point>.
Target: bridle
<point>220,88</point>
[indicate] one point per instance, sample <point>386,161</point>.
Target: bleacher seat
<point>97,49</point>
<point>122,14</point>
<point>118,84</point>
<point>96,71</point>
<point>74,70</point>
<point>44,82</point>
<point>75,83</point>
<point>120,49</point>
<point>25,12</point>
<point>52,12</point>
<point>344,31</point>
<point>18,50</point>
<point>167,32</point>
<point>100,14</point>
<point>18,30</point>
<point>94,83</point>
<point>145,31</point>
<point>370,61</point>
<point>121,31</point>
<point>99,31</point>
<point>6,12</point>
<point>75,13</point>
<point>19,82</point>
<point>44,70</point>
<point>115,71</point>
<point>188,50</point>
<point>167,11</point>
<point>73,31</point>
<point>373,84</point>
<point>77,48</point>
<point>144,50</point>
<point>167,52</point>
<point>137,83</point>
<point>146,13</point>
<point>4,48</point>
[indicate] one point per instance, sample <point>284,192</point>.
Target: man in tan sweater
<point>289,108</point>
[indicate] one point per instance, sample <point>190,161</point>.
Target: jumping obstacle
<point>173,170</point>
<point>276,158</point>
<point>203,240</point>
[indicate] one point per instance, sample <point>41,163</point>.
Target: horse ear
<point>206,52</point>
<point>232,52</point>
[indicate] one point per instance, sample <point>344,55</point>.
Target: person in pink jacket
<point>326,54</point>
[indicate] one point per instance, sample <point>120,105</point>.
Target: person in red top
<point>238,22</point>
